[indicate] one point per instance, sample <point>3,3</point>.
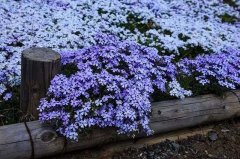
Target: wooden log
<point>109,150</point>
<point>167,116</point>
<point>38,67</point>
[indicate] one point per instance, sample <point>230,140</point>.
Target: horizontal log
<point>15,142</point>
<point>108,151</point>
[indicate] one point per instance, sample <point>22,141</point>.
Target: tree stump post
<point>38,67</point>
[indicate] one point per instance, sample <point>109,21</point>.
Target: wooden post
<point>39,66</point>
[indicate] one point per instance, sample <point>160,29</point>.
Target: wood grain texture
<point>38,67</point>
<point>166,116</point>
<point>107,151</point>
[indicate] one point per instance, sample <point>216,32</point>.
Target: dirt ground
<point>222,141</point>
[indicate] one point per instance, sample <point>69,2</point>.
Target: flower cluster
<point>9,74</point>
<point>71,24</point>
<point>112,77</point>
<point>223,68</point>
<point>111,87</point>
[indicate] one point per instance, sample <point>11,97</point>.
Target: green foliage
<point>183,37</point>
<point>160,96</point>
<point>231,3</point>
<point>190,83</point>
<point>101,11</point>
<point>198,89</point>
<point>10,110</point>
<point>190,52</point>
<point>135,22</point>
<point>69,69</point>
<point>226,18</point>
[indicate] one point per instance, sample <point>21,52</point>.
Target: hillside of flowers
<point>118,56</point>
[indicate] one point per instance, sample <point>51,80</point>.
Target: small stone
<point>212,136</point>
<point>225,130</point>
<point>233,138</point>
<point>182,148</point>
<point>175,146</point>
<point>210,155</point>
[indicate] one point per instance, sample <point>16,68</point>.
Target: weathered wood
<point>166,116</point>
<point>39,66</point>
<point>107,151</point>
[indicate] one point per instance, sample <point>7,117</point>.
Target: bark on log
<point>39,66</point>
<point>166,116</point>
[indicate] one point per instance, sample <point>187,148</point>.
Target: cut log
<point>39,66</point>
<point>167,116</point>
<point>109,150</point>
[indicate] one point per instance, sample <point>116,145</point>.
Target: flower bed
<point>123,54</point>
<point>171,115</point>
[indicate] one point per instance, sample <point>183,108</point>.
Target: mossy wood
<point>167,116</point>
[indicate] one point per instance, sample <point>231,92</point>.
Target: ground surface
<point>221,141</point>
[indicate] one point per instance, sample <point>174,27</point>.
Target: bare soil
<point>221,143</point>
